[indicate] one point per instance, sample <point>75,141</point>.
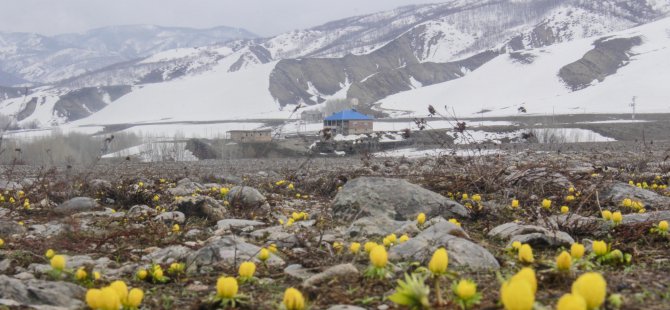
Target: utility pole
<point>632,105</point>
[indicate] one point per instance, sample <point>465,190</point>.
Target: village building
<point>348,122</point>
<point>251,136</point>
<point>312,116</point>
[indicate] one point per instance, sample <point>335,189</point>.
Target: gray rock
<point>654,217</point>
<point>245,196</point>
<point>47,229</point>
<point>536,236</point>
<point>345,307</point>
<point>185,187</point>
<point>5,264</point>
<point>226,250</point>
<point>537,177</point>
<point>237,223</point>
<point>141,210</point>
<point>38,292</point>
<point>8,228</point>
<point>10,185</point>
<point>299,272</point>
<point>170,254</point>
<point>619,191</point>
<point>171,217</point>
<point>394,199</point>
<point>338,271</point>
<point>76,205</point>
<point>192,233</point>
<point>462,252</point>
<point>100,185</point>
<point>202,207</point>
<point>228,178</point>
<point>277,235</point>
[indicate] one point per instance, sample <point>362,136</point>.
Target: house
<point>348,122</point>
<point>312,116</point>
<point>251,135</point>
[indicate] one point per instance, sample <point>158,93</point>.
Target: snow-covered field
<point>416,153</point>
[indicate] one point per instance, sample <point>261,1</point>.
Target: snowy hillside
<point>42,59</point>
<point>471,55</point>
<point>505,84</point>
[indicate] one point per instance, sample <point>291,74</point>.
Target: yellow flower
<point>247,270</point>
<point>290,222</point>
<point>291,187</point>
<point>176,228</point>
<point>94,298</point>
<point>355,247</point>
<point>369,246</point>
<point>80,274</point>
<point>607,215</point>
<point>378,256</point>
<point>156,198</point>
<point>226,287</point>
<point>569,198</point>
<point>135,297</point>
<point>338,247</point>
<point>564,261</point>
<point>386,241</point>
<point>121,288</point>
<point>272,248</point>
<point>516,245</point>
<point>404,238</point>
<point>565,209</point>
<point>577,250</point>
<point>12,200</point>
<point>476,198</point>
<point>455,222</point>
<point>515,203</point>
<point>466,289</point>
<point>571,189</point>
<point>617,217</point>
<point>58,262</point>
<point>177,268</point>
<point>2,242</point>
<point>421,218</point>
<point>158,273</point>
<point>263,255</point>
<point>663,225</point>
<point>293,299</point>
<point>464,197</point>
<point>592,287</point>
<point>526,253</point>
<point>528,275</point>
<point>546,203</point>
<point>439,262</point>
<point>627,202</point>
<point>50,253</point>
<point>393,238</point>
<point>516,294</point>
<point>142,274</point>
<point>600,248</point>
<point>110,299</point>
<point>571,302</point>
<point>96,275</point>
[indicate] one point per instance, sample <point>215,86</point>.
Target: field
<point>129,226</point>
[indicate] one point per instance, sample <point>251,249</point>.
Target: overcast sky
<point>264,17</point>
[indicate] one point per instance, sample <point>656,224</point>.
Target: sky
<point>263,17</point>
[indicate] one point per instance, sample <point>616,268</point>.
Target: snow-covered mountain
<point>40,59</point>
<point>396,62</point>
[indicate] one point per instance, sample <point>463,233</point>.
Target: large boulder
<point>462,252</point>
<point>230,251</point>
<point>185,187</point>
<point>537,177</point>
<point>395,199</point>
<point>201,206</point>
<point>8,228</point>
<point>618,191</point>
<point>41,293</point>
<point>536,236</point>
<point>77,205</point>
<point>169,254</point>
<point>245,196</point>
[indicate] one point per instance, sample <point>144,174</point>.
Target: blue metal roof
<point>348,115</point>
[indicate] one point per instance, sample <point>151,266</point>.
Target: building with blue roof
<point>348,122</point>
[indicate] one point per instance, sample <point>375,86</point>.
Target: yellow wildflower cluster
<point>634,205</point>
<point>114,296</point>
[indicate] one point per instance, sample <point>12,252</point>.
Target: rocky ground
<point>118,219</point>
